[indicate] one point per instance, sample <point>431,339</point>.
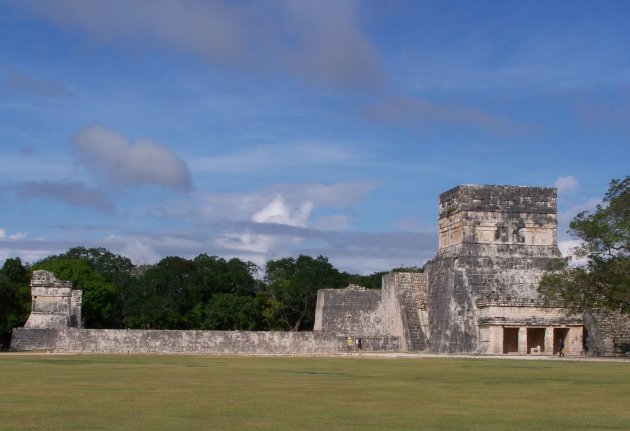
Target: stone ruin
<point>54,303</point>
<point>477,295</point>
<point>398,310</point>
<point>494,246</point>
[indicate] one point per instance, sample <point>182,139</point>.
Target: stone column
<point>574,342</point>
<point>549,340</point>
<point>522,340</point>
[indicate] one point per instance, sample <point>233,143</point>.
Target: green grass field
<point>58,392</point>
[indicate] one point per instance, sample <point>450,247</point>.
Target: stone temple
<point>54,303</point>
<point>479,293</point>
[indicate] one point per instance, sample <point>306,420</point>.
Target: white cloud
<point>113,159</point>
<point>277,211</point>
<point>257,243</point>
<point>567,185</point>
<point>12,237</point>
<point>139,252</point>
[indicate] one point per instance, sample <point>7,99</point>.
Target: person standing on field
<point>349,344</point>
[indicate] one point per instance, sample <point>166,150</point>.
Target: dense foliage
<point>207,292</point>
<point>15,298</point>
<point>293,285</point>
<point>604,279</point>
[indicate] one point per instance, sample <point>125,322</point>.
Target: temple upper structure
<point>54,303</point>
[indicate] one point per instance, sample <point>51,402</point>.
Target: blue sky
<point>266,129</point>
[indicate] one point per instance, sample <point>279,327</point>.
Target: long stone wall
<point>113,341</point>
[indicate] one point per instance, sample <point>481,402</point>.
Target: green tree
<point>164,296</point>
<point>114,268</point>
<point>101,299</point>
<point>217,275</point>
<point>293,285</point>
<point>177,293</point>
<point>604,279</point>
<point>15,298</point>
<point>230,312</point>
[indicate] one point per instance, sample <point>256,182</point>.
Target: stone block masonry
<point>397,310</point>
<point>607,333</point>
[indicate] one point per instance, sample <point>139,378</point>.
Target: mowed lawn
<point>83,392</point>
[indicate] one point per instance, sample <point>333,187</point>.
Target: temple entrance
<point>535,340</point>
<point>559,333</point>
<point>510,340</point>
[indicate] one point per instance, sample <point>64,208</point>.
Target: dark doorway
<point>535,340</point>
<point>510,340</point>
<point>559,333</point>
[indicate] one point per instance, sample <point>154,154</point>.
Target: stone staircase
<point>410,305</point>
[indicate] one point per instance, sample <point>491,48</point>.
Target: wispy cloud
<point>568,214</point>
<point>415,112</point>
<point>113,159</point>
<point>351,251</point>
<point>264,157</point>
<point>20,81</point>
<point>69,192</point>
<point>294,202</point>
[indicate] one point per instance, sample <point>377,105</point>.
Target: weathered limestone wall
<point>353,311</point>
<point>407,294</point>
<point>608,333</point>
<point>72,340</point>
<point>398,310</point>
<point>495,244</point>
<point>497,215</point>
<point>515,314</point>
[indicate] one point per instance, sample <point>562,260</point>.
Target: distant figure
<point>560,347</point>
<point>359,345</point>
<point>349,344</point>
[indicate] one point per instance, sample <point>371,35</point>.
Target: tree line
<point>206,292</point>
